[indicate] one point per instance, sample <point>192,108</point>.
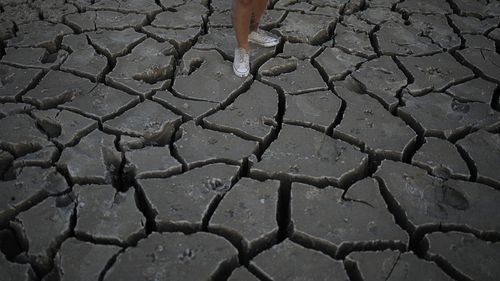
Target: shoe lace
<point>265,34</point>
<point>241,57</point>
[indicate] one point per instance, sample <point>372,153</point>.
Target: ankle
<point>244,48</point>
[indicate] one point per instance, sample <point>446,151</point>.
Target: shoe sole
<point>264,45</point>
<point>240,74</point>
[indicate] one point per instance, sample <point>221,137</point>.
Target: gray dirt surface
<point>364,146</point>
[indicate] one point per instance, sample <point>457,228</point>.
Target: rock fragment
<point>439,115</point>
<point>368,125</point>
<point>442,159</point>
<point>473,9</point>
<point>291,75</point>
<point>146,69</point>
<point>402,40</point>
<point>5,161</point>
<point>425,200</point>
<point>184,199</point>
<point>175,256</point>
<point>391,266</point>
<point>297,6</point>
<point>472,257</point>
<point>484,150</point>
<point>181,39</point>
<point>472,25</point>
<point>30,186</point>
<point>94,20</point>
<point>34,58</point>
<point>424,7</point>
<point>476,90</point>
<point>92,161</point>
<point>153,161</point>
<point>148,7</point>
<point>337,64</point>
<point>381,78</point>
<point>353,41</point>
<point>361,215</point>
<point>45,226</point>
<point>288,260</point>
<point>495,34</point>
<point>318,110</point>
<point>40,34</point>
<point>302,51</point>
<point>148,120</point>
<point>62,126</point>
<point>242,274</point>
<point>435,72</point>
<point>380,12</point>
<point>44,158</point>
<point>6,29</point>
<point>106,215</point>
<point>27,138</point>
<point>245,213</point>
<point>13,108</point>
<point>306,28</point>
<point>15,271</point>
<point>436,28</point>
<point>190,109</point>
<point>485,61</point>
<point>198,146</point>
<point>14,82</point>
<point>217,5</point>
<point>191,14</point>
<point>102,103</point>
<point>85,61</point>
<point>77,260</point>
<point>479,42</point>
<point>55,10</point>
<point>247,115</point>
<point>305,155</point>
<point>57,87</point>
<point>115,43</point>
<point>20,12</point>
<point>338,4</point>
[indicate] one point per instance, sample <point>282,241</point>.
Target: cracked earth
<point>365,146</point>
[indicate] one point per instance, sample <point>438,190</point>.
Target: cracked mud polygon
<point>365,146</point>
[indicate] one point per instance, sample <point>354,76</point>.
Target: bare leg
<point>258,8</point>
<point>242,11</point>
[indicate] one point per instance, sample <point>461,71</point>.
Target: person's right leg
<point>242,12</point>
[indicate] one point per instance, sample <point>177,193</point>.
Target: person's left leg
<point>258,8</point>
<point>257,35</point>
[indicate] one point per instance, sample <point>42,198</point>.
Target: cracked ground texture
<point>365,146</point>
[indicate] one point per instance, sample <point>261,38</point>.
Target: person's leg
<point>257,35</point>
<point>258,8</point>
<point>242,11</point>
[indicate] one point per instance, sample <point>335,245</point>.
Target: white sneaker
<point>241,63</point>
<point>263,38</point>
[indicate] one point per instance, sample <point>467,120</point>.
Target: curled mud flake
<point>278,69</point>
<point>454,198</point>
